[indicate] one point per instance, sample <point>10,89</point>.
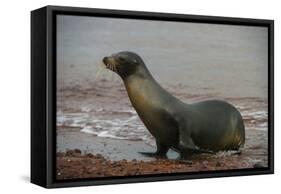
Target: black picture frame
<point>43,94</point>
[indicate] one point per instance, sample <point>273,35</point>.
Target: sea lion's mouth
<point>109,63</point>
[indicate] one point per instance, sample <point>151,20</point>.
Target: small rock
<point>99,156</point>
<point>77,151</point>
<point>90,155</point>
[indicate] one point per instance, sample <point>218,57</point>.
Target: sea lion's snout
<point>105,60</point>
<point>109,62</point>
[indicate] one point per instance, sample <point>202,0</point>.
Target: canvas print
<point>144,97</point>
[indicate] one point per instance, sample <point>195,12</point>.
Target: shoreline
<point>73,164</point>
<point>82,155</point>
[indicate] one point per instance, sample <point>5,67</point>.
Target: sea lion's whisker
<point>100,69</point>
<point>111,68</point>
<point>114,68</point>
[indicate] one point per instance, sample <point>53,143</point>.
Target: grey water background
<point>228,59</point>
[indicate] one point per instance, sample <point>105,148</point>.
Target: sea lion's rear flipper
<point>187,150</point>
<point>153,154</point>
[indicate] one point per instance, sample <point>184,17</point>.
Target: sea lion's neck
<point>140,83</point>
<point>141,72</point>
<point>144,91</point>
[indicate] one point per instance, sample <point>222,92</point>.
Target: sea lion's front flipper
<point>160,153</point>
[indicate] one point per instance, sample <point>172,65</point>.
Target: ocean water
<point>229,59</point>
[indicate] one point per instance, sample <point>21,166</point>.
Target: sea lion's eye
<point>135,61</point>
<point>121,58</point>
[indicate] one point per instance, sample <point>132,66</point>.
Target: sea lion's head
<point>123,63</point>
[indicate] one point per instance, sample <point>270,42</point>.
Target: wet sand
<point>82,155</point>
<point>111,149</point>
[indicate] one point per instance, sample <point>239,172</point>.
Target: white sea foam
<point>128,126</point>
<point>255,114</point>
<point>86,109</point>
<point>89,130</point>
<point>107,134</point>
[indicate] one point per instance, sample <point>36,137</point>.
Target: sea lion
<point>203,127</point>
